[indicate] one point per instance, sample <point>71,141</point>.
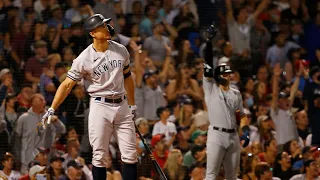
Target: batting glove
<point>245,137</point>
<point>133,109</point>
<point>46,119</point>
<point>211,32</point>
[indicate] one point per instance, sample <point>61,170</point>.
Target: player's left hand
<point>133,109</point>
<point>245,139</point>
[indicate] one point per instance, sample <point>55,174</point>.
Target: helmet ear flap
<point>111,30</point>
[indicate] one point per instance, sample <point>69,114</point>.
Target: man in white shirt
<point>165,127</point>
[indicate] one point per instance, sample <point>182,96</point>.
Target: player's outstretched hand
<point>211,32</point>
<point>46,119</point>
<point>245,139</point>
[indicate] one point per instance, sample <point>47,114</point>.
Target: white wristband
<point>133,107</point>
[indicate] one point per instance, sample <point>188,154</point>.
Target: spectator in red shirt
<point>160,152</point>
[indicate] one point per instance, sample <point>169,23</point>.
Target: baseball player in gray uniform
<point>104,68</point>
<point>224,103</point>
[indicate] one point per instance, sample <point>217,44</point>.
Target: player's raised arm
<point>208,66</point>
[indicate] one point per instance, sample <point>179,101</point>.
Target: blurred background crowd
<point>273,46</point>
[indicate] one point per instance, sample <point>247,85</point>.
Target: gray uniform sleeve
<point>126,55</point>
<point>77,70</point>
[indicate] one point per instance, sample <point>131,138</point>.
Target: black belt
<point>224,129</point>
<point>107,100</point>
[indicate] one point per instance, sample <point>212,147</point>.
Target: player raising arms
<point>104,67</point>
<point>223,102</point>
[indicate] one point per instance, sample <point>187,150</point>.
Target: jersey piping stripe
<point>69,76</point>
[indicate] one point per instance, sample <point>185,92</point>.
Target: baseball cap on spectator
<point>156,138</point>
<point>148,74</point>
<point>56,157</point>
<point>283,95</point>
<point>201,118</point>
<point>198,133</point>
<point>40,44</point>
<point>261,119</point>
<point>140,120</point>
<point>4,71</point>
<point>74,163</point>
<point>38,151</point>
<point>35,169</point>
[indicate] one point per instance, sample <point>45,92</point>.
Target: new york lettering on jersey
<point>107,66</point>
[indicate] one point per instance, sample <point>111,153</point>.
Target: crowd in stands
<point>272,45</point>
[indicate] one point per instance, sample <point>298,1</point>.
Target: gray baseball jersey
<point>103,77</point>
<point>102,72</point>
<point>222,147</point>
<point>222,105</point>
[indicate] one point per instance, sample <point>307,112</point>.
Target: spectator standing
<point>29,134</point>
<point>34,66</point>
<point>278,53</point>
<point>165,127</point>
<point>151,17</point>
<point>160,152</point>
<point>106,8</point>
<point>240,24</point>
<point>155,44</point>
<point>23,98</point>
<point>281,108</point>
<point>148,94</point>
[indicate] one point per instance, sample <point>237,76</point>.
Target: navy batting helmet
<point>221,69</point>
<point>97,20</point>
